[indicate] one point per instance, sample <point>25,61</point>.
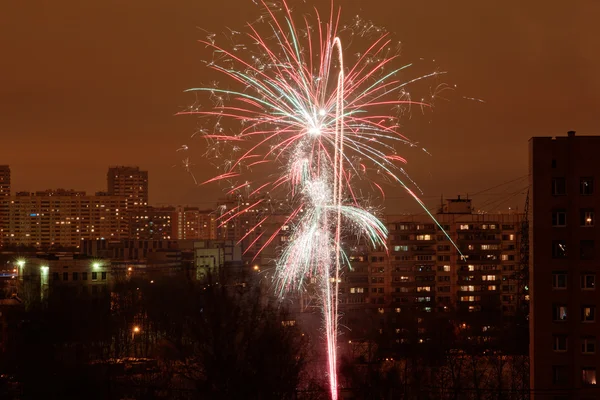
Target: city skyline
<point>121,107</point>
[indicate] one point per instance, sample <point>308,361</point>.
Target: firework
<point>315,120</point>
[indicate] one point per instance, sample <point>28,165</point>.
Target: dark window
<point>65,276</point>
<point>559,343</point>
<point>559,218</point>
<point>94,276</point>
<point>586,186</point>
<point>559,280</point>
<point>55,276</point>
<point>559,249</point>
<point>75,276</point>
<point>588,345</point>
<point>586,217</point>
<point>94,289</point>
<point>560,374</point>
<point>84,276</point>
<point>588,281</point>
<point>586,249</point>
<point>553,163</point>
<point>559,186</point>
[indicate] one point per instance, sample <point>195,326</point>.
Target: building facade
<point>401,294</point>
<point>129,182</point>
<point>151,223</point>
<point>193,223</point>
<point>563,266</point>
<point>4,199</point>
<point>63,218</point>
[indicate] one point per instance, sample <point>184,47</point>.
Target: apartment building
<point>63,218</point>
<point>421,274</point>
<point>129,182</point>
<point>194,223</point>
<point>564,326</point>
<point>151,223</point>
<point>4,201</point>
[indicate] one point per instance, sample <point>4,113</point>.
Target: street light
<point>96,265</point>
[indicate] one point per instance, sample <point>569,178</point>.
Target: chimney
<point>571,134</point>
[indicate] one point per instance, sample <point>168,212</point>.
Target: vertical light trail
<point>330,297</point>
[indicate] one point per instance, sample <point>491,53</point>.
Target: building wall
<point>4,199</point>
<point>193,223</point>
<point>129,182</point>
<point>556,344</point>
<point>63,218</point>
<point>151,223</point>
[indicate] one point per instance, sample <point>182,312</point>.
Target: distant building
<point>63,218</point>
<point>4,201</point>
<point>564,330</point>
<point>129,182</point>
<point>4,180</point>
<point>134,249</point>
<point>38,276</point>
<point>193,223</point>
<point>151,223</point>
<point>421,277</point>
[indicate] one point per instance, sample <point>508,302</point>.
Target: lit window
<point>588,314</point>
<point>464,227</point>
<point>423,237</point>
<point>586,217</point>
<point>559,313</point>
<point>588,375</point>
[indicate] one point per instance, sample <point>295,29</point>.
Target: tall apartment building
<point>193,223</point>
<point>63,218</point>
<point>4,195</point>
<point>564,330</point>
<point>422,275</point>
<point>129,182</point>
<point>151,223</point>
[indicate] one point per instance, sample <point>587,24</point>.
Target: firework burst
<point>315,123</point>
